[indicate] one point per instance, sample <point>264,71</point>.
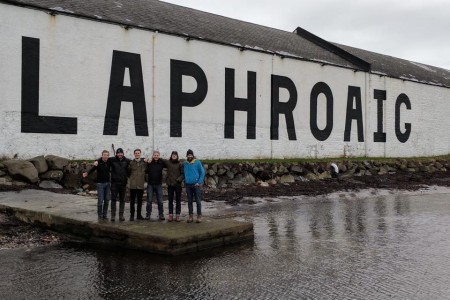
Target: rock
<point>18,183</point>
<point>297,170</point>
<point>2,166</point>
<point>283,170</point>
<point>93,192</point>
<point>324,175</point>
<point>211,182</point>
<point>264,184</point>
<point>287,179</point>
<point>39,163</point>
<point>438,165</point>
<point>214,168</point>
<point>311,176</point>
<point>56,163</point>
<point>243,178</point>
<point>2,173</point>
<point>206,167</point>
<point>230,174</point>
<point>211,172</point>
<point>52,175</point>
<point>271,181</point>
<point>2,180</point>
<point>374,170</point>
<point>424,169</point>
<point>221,171</point>
<point>49,184</point>
<point>22,170</point>
<point>71,181</point>
<point>382,171</point>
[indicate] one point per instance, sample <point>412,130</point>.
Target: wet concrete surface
<point>77,215</point>
<point>367,245</point>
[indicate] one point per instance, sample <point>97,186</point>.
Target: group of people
<point>113,174</point>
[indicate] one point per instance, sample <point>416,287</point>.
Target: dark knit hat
<point>190,152</point>
<point>174,152</point>
<point>119,150</point>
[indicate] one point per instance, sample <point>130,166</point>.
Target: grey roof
<point>178,20</point>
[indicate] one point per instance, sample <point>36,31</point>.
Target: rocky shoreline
<point>53,172</point>
<point>232,183</point>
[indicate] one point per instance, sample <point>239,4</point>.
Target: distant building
<point>78,76</point>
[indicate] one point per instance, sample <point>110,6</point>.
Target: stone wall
<point>56,172</point>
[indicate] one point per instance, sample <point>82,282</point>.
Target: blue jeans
<point>194,191</point>
<point>104,195</point>
<point>157,189</point>
<point>171,190</point>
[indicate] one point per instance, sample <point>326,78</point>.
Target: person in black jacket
<point>119,177</point>
<point>154,185</point>
<point>103,167</point>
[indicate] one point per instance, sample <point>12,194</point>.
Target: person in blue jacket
<point>194,174</point>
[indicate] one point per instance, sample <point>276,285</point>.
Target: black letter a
<point>133,93</point>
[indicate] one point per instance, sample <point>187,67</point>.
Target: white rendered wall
<point>75,70</point>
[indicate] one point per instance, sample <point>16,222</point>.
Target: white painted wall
<point>75,66</point>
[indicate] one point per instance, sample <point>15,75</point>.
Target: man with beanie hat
<point>119,178</point>
<point>194,174</point>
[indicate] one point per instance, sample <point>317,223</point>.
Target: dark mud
<point>401,181</point>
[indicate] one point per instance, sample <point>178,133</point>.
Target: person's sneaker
<point>113,219</point>
<point>121,219</point>
<point>190,219</point>
<point>147,218</point>
<point>161,218</point>
<point>199,219</point>
<point>170,218</point>
<point>178,218</point>
<point>132,218</point>
<point>140,217</point>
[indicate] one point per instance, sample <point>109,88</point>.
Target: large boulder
<point>56,175</point>
<point>56,162</point>
<point>39,163</point>
<point>22,170</point>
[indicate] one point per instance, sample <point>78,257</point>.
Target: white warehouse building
<point>78,76</point>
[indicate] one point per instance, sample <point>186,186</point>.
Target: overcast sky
<point>416,30</point>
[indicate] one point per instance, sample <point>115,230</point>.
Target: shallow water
<point>335,247</point>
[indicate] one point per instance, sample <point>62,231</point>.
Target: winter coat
<point>136,170</point>
<point>193,172</point>
<point>119,170</point>
<point>103,171</point>
<point>174,172</point>
<point>154,171</point>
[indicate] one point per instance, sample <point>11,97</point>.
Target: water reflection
<point>324,248</point>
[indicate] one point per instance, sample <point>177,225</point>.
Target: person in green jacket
<point>173,180</point>
<point>136,171</point>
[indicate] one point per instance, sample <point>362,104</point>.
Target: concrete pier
<point>77,215</point>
